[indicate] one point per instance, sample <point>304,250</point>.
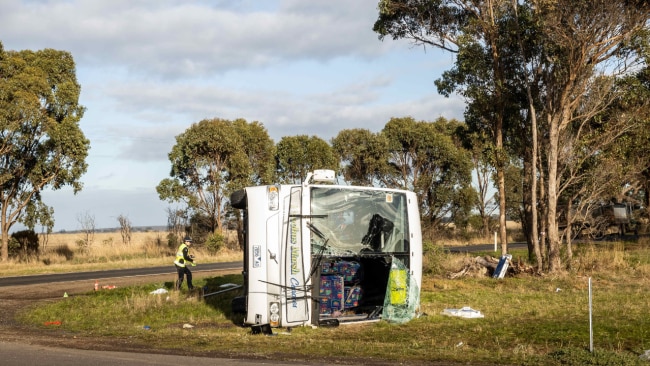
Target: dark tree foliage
<point>41,143</point>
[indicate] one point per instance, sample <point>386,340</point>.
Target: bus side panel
<point>415,243</point>
<point>259,220</point>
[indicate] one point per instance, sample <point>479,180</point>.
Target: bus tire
<point>238,305</point>
<point>238,199</point>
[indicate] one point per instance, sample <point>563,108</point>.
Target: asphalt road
<point>113,273</point>
<point>18,354</point>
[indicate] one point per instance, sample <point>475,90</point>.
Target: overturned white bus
<point>320,253</point>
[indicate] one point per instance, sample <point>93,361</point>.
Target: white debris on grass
<point>645,356</point>
<point>464,312</point>
<point>159,291</point>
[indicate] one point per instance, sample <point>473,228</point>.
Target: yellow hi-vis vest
<point>180,258</point>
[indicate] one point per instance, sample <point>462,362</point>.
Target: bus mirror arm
<point>273,256</point>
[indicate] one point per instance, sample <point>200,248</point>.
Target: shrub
<point>173,241</point>
<point>83,245</point>
<point>434,258</point>
<point>214,242</point>
<point>23,243</point>
<point>64,251</point>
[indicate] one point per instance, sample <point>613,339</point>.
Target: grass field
<point>528,319</point>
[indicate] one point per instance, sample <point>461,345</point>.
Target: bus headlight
<point>274,316</point>
<point>273,195</point>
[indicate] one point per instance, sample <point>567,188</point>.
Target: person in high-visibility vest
<point>183,257</point>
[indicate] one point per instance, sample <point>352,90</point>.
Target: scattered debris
<point>65,294</point>
<point>645,356</point>
<point>476,267</point>
<point>228,288</point>
<point>109,287</point>
<point>159,291</point>
<point>464,312</point>
<point>146,327</point>
<point>187,326</point>
<point>488,266</point>
<point>55,322</point>
<point>502,267</point>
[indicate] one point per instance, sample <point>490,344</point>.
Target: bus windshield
<point>350,221</point>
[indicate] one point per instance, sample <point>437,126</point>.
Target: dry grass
<point>454,238</point>
<point>62,253</point>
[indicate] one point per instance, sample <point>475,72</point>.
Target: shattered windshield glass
<point>347,221</point>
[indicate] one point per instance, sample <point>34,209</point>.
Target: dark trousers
<point>183,271</point>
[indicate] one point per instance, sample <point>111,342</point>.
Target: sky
<point>149,69</point>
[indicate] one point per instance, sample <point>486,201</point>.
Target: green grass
<point>529,320</point>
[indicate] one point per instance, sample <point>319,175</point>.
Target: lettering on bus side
<point>295,265</point>
<point>294,232</point>
<point>294,292</point>
<point>295,256</point>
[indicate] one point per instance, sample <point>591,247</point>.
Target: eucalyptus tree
<point>41,143</point>
<point>363,155</point>
<point>619,135</point>
<point>298,155</point>
<point>633,147</point>
<point>584,45</point>
<point>546,63</point>
<point>425,157</point>
<point>211,159</point>
<point>259,148</point>
<point>470,30</point>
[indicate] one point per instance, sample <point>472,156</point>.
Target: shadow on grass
<point>219,292</point>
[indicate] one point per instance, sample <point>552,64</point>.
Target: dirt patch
<point>15,298</point>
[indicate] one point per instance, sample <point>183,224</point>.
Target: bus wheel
<point>238,199</point>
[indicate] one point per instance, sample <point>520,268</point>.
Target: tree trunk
<point>4,251</point>
<point>5,245</point>
<point>527,214</point>
<point>540,251</point>
<point>492,36</point>
<point>533,159</point>
<point>486,226</point>
<point>568,234</point>
<point>502,210</point>
<point>533,188</point>
<point>554,260</point>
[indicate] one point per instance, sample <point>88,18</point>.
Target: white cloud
<point>150,68</point>
<point>177,39</point>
